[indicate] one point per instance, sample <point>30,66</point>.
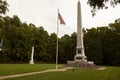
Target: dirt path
<point>32,73</point>
<point>101,68</point>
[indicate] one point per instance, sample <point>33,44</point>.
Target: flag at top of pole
<point>59,18</point>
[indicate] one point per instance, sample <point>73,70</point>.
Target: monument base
<point>82,64</point>
<point>31,62</point>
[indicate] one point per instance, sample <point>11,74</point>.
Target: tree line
<point>17,38</point>
<point>101,43</point>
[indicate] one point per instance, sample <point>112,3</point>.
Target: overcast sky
<point>44,13</point>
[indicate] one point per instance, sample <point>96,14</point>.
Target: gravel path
<point>32,73</point>
<point>101,68</point>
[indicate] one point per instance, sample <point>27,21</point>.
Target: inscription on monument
<point>79,51</point>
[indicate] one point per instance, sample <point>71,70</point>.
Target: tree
<point>64,48</point>
<point>67,47</point>
<point>3,6</point>
<point>113,40</point>
<point>101,43</point>
<point>41,44</point>
<point>51,50</point>
<point>100,4</point>
<point>93,46</point>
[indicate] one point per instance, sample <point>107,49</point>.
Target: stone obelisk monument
<point>80,60</point>
<point>32,55</point>
<point>80,55</point>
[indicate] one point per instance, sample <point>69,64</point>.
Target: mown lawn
<point>9,69</point>
<point>111,73</point>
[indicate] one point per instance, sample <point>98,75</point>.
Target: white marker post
<point>32,55</point>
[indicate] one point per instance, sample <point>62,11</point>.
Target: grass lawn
<point>9,69</point>
<point>111,73</point>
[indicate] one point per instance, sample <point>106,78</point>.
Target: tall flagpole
<point>57,40</point>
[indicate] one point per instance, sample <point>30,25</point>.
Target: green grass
<point>10,69</point>
<point>111,73</point>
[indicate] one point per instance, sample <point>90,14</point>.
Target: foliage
<point>100,4</point>
<point>3,6</point>
<point>101,43</point>
<point>18,38</point>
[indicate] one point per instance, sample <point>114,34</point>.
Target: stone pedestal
<point>81,64</point>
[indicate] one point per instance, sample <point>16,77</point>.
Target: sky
<point>44,13</point>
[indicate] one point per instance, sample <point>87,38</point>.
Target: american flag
<point>61,19</point>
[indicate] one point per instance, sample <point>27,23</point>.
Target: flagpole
<point>57,40</point>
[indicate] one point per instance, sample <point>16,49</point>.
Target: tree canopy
<point>100,4</point>
<point>18,38</point>
<point>3,6</point>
